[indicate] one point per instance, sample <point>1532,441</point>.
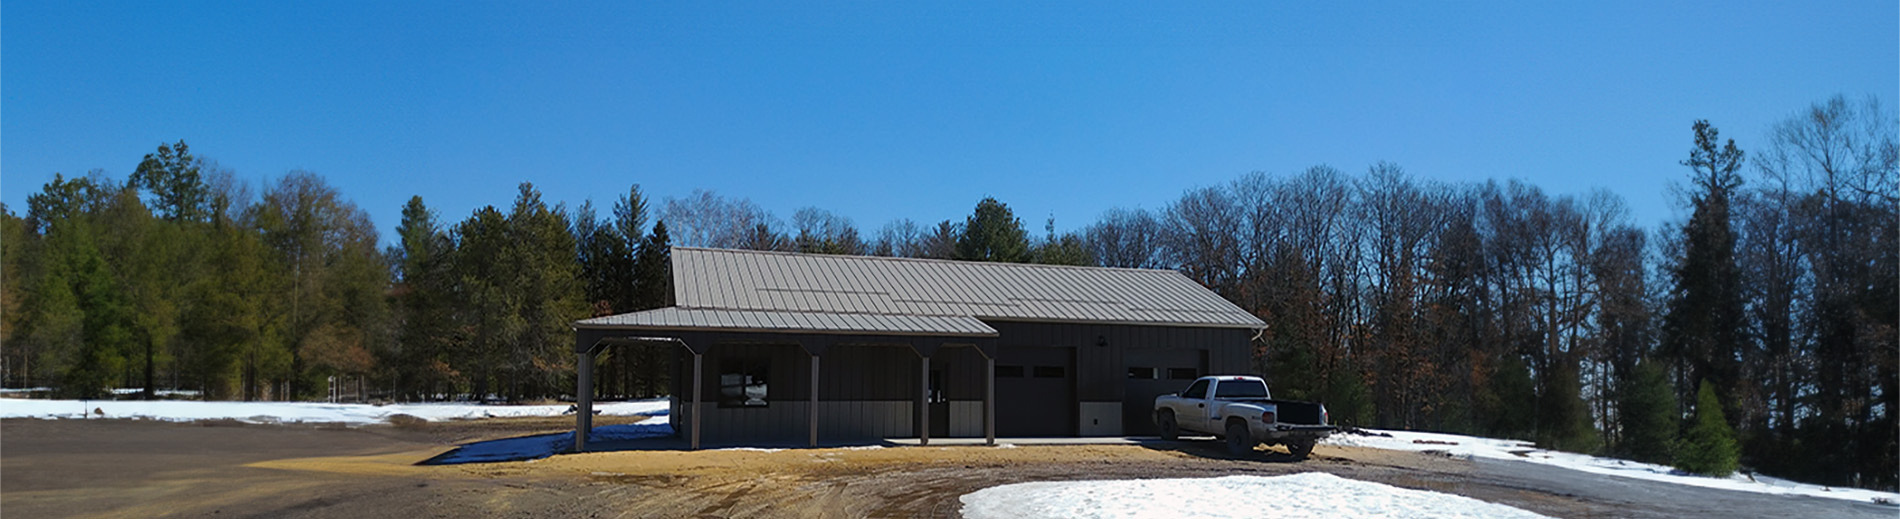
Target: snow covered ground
<point>293,412</point>
<point>1306,495</point>
<point>1474,447</point>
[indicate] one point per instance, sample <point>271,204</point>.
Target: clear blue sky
<point>882,110</point>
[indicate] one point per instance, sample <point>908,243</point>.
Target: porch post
<point>989,399</point>
<point>698,388</point>
<point>811,417</point>
<point>583,399</point>
<point>923,403</point>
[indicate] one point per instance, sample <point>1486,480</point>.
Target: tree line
<point>1761,330</point>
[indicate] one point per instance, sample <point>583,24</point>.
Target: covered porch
<point>749,377</point>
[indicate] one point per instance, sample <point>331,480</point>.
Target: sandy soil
<point>126,468</point>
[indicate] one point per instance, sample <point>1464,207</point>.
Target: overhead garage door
<point>1035,392</point>
<point>1152,373</point>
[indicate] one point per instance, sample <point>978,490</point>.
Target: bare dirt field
<point>128,468</point>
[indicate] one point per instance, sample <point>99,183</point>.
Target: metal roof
<point>676,318</point>
<point>782,283</point>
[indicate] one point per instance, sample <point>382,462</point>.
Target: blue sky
<point>885,110</point>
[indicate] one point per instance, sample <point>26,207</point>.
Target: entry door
<point>939,405</point>
<point>1152,373</point>
<point>1035,392</point>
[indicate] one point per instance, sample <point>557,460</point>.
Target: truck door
<point>1192,411</point>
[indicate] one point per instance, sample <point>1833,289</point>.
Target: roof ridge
<point>920,260</point>
<point>1007,318</point>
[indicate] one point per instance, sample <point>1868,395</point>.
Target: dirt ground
<point>130,468</point>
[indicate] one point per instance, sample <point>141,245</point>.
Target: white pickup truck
<point>1240,409</point>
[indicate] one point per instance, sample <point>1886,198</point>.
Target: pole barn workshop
<point>782,348</point>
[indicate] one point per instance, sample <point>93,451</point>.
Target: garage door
<point>1035,392</point>
<point>1152,373</point>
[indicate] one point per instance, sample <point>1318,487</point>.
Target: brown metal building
<point>797,348</point>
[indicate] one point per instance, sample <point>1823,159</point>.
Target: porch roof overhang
<point>676,320</point>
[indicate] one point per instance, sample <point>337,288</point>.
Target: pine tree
<point>234,348</point>
<point>547,279</point>
<point>653,287</point>
<point>423,303</point>
<point>487,308</point>
<point>1508,399</point>
<point>173,177</point>
<point>993,233</point>
<point>1704,328</point>
<point>105,324</point>
<point>1565,422</point>
<point>1708,448</point>
<point>1648,409</point>
<point>653,270</point>
<point>1065,249</point>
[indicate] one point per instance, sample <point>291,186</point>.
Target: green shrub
<point>1709,447</point>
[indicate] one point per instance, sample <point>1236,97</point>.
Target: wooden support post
<point>923,404</point>
<point>698,388</point>
<point>583,399</point>
<point>989,400</point>
<point>811,416</point>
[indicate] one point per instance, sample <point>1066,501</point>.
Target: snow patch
<point>1320,495</point>
<point>1468,447</point>
<point>299,412</point>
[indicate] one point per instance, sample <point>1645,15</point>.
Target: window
<point>1142,373</point>
<point>1198,390</point>
<point>1009,372</point>
<point>1183,373</point>
<point>743,382</point>
<point>1240,389</point>
<point>1051,372</point>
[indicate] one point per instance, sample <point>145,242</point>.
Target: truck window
<point>1241,389</point>
<point>1198,390</point>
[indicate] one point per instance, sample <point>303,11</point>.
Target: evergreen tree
<point>1508,399</point>
<point>174,178</point>
<point>648,366</point>
<point>543,271</point>
<point>488,313</point>
<point>1564,422</point>
<point>629,225</point>
<point>1066,249</point>
<point>1708,447</point>
<point>105,322</point>
<point>49,328</point>
<point>993,233</point>
<point>1348,399</point>
<point>653,270</point>
<point>232,320</point>
<point>1704,327</point>
<point>606,262</point>
<point>423,303</point>
<point>13,246</point>
<point>1649,420</point>
<point>151,260</point>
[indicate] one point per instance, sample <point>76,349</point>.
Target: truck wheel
<point>1170,431</point>
<point>1239,439</point>
<point>1300,448</point>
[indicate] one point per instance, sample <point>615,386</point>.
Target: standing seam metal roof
<point>792,288</point>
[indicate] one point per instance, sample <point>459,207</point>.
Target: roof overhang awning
<point>688,320</point>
